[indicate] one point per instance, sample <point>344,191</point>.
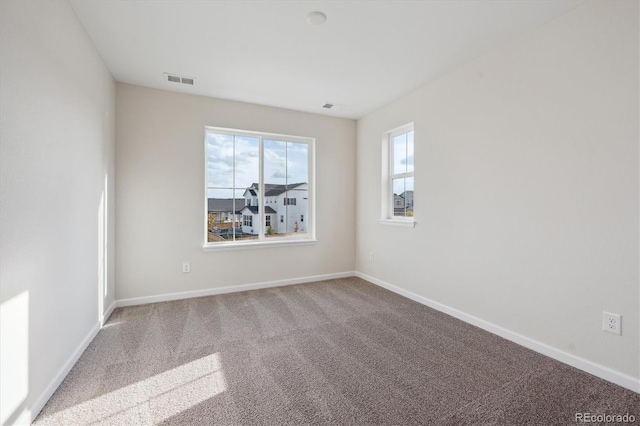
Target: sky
<point>403,162</point>
<point>284,162</point>
<point>403,153</point>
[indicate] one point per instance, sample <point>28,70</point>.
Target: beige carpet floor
<point>339,352</point>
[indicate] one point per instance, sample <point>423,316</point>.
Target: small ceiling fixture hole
<point>316,18</point>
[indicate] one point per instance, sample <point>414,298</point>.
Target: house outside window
<point>263,175</point>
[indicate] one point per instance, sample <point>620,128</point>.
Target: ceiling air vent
<point>177,79</point>
<point>327,106</point>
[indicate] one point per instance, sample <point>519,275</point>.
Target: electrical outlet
<point>611,323</point>
<point>371,257</point>
<point>186,267</point>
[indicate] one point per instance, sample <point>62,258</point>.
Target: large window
<point>256,176</point>
<point>398,179</point>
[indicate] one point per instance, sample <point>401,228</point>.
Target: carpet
<point>337,352</point>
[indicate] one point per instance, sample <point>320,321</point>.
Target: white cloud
<point>284,162</point>
<point>278,174</point>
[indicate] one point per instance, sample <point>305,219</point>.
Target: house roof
<point>272,190</point>
<point>254,209</point>
<point>405,194</point>
<point>224,204</point>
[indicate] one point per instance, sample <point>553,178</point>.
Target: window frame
<point>388,216</point>
<point>262,241</point>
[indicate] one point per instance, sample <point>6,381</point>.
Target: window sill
<point>398,222</point>
<point>256,245</point>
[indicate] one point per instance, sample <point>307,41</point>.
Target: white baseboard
<point>29,414</point>
<point>606,373</point>
<point>229,289</point>
<point>107,313</point>
<point>32,412</point>
<point>621,379</point>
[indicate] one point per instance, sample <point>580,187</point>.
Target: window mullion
<point>233,192</point>
<point>286,184</point>
<point>390,197</point>
<point>261,200</point>
<point>402,175</point>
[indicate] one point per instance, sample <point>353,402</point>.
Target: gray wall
<point>526,196</point>
<point>160,199</point>
<point>57,103</point>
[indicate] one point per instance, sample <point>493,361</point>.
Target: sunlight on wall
<point>101,266</point>
<point>103,283</point>
<point>14,354</point>
<point>105,235</point>
<point>154,399</point>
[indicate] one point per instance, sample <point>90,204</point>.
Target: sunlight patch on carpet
<point>156,398</point>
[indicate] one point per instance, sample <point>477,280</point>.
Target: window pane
<point>408,196</point>
<point>400,154</point>
<point>247,161</point>
<point>297,163</point>
<point>286,166</point>
<point>275,163</point>
<point>219,160</point>
<point>222,222</point>
<point>403,197</point>
<point>248,214</point>
<point>410,152</point>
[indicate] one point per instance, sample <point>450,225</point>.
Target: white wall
<point>57,103</point>
<point>526,193</point>
<point>160,180</point>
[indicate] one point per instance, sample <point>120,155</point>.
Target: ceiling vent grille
<point>177,79</point>
<point>328,106</point>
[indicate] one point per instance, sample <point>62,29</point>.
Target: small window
<point>301,218</point>
<point>398,174</point>
<point>267,221</point>
<point>289,201</point>
<point>281,219</point>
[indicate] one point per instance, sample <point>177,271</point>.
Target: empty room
<point>319,212</point>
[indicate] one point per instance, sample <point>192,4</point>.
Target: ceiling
<point>367,54</point>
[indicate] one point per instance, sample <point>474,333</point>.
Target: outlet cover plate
<point>611,323</point>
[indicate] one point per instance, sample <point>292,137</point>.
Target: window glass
<point>235,187</point>
<point>399,189</point>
